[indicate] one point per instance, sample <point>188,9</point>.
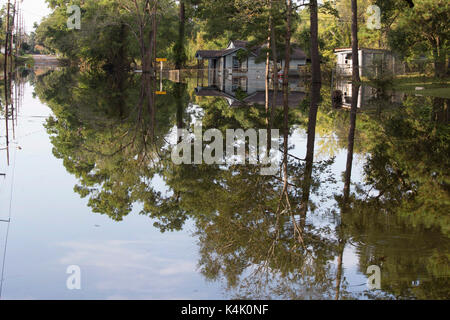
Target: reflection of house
<point>372,62</point>
<point>256,98</point>
<point>239,60</point>
<point>366,95</point>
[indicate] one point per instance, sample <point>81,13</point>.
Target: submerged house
<point>239,58</point>
<point>238,71</point>
<point>372,62</point>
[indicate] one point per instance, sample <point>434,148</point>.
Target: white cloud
<point>123,269</point>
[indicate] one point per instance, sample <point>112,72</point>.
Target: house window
<point>239,83</point>
<point>235,85</point>
<point>348,58</point>
<point>236,63</point>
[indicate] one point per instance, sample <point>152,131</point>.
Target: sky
<point>33,11</point>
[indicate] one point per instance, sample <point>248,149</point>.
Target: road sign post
<point>161,92</point>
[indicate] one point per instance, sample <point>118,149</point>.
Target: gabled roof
<point>364,49</point>
<point>296,54</point>
<point>212,54</point>
<point>239,43</point>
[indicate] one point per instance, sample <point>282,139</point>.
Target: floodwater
<point>89,182</point>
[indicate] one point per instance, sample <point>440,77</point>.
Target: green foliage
<point>430,40</point>
<point>108,33</point>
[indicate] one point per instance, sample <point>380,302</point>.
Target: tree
<point>314,32</point>
<point>432,38</point>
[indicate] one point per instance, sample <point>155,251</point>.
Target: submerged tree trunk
<point>180,90</point>
<point>351,141</point>
<point>340,261</point>
<point>355,90</point>
<point>311,139</point>
<point>313,108</point>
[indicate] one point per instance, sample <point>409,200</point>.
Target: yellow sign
<point>161,92</point>
<point>161,59</point>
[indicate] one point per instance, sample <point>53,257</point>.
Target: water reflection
<point>368,96</point>
<point>280,236</point>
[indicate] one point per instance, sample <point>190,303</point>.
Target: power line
<point>9,224</point>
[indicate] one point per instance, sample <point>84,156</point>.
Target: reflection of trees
<point>399,219</point>
<point>258,233</point>
<point>249,240</point>
<point>106,130</point>
<point>408,163</point>
<point>414,260</point>
<point>257,245</point>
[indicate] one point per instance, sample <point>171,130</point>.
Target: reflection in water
<point>280,236</point>
<point>368,97</point>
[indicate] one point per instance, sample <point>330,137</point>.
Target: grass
<point>432,87</point>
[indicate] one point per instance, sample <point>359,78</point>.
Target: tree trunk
<point>340,261</point>
<point>5,67</point>
<point>180,54</point>
<point>315,58</point>
<point>287,60</point>
<point>355,90</point>
<point>311,139</point>
<point>355,47</point>
<point>440,65</point>
<point>287,56</point>
<point>351,140</point>
<point>267,81</point>
<point>273,46</point>
<point>11,38</point>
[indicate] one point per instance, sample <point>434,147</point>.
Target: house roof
<point>368,49</point>
<point>239,43</point>
<point>209,54</point>
<point>297,52</point>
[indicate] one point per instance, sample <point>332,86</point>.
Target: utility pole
<point>6,78</point>
<point>6,42</point>
<point>11,39</point>
<point>17,28</point>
